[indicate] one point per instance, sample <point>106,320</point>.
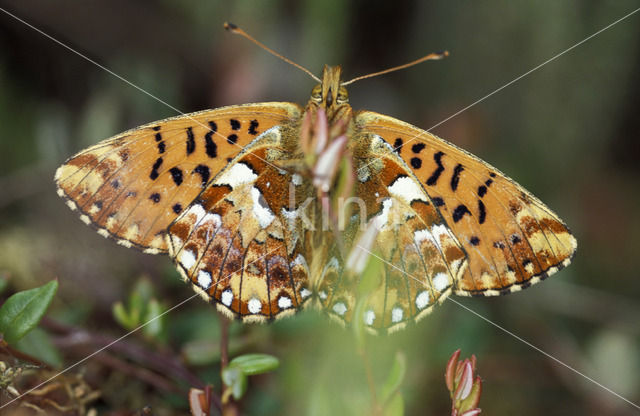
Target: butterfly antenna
<point>431,56</point>
<point>235,29</point>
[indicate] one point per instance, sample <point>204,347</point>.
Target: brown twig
<point>22,356</point>
<point>75,339</point>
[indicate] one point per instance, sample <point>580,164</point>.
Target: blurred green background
<point>568,132</point>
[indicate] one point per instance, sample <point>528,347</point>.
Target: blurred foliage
<point>568,132</point>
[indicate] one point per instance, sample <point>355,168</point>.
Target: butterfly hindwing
<point>511,238</point>
<point>132,186</point>
<point>421,257</point>
<point>239,243</point>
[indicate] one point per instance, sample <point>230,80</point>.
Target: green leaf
<point>252,364</point>
<point>236,380</point>
<point>394,380</point>
<point>154,316</point>
<point>121,316</point>
<point>22,311</point>
<point>37,343</point>
<point>395,407</point>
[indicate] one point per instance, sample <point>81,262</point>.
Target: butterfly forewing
<point>240,243</point>
<point>512,240</point>
<point>132,186</point>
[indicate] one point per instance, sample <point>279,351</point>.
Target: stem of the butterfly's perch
<point>377,409</point>
<point>224,342</point>
<point>229,406</point>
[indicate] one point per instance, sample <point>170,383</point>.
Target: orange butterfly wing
<point>133,185</point>
<point>242,242</point>
<point>511,238</point>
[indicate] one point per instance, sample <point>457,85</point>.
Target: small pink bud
<point>466,382</point>
<point>325,169</point>
<point>322,130</point>
<point>450,373</point>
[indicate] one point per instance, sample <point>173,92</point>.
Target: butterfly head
<point>330,94</point>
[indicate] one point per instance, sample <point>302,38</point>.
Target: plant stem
<point>229,406</point>
<point>376,409</point>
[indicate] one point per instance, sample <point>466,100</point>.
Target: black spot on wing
<point>417,148</point>
<point>455,178</point>
<point>253,125</point>
<point>482,212</point>
<point>155,197</point>
<point>232,138</point>
<point>155,128</point>
<point>459,212</point>
<point>488,182</point>
<point>177,208</point>
<point>235,124</point>
<point>416,162</point>
<point>161,147</point>
<point>191,141</point>
<point>437,201</point>
<point>158,137</point>
<point>154,169</point>
<point>515,239</point>
<point>482,191</point>
<point>433,179</point>
<point>210,146</point>
<point>176,175</point>
<point>474,241</point>
<point>397,145</point>
<point>204,172</point>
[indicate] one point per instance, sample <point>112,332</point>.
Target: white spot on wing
<point>340,308</point>
<point>227,297</point>
<point>263,214</point>
<point>396,314</point>
<point>296,179</point>
<point>440,281</point>
<point>198,211</point>
<point>238,174</point>
<point>406,189</point>
<point>305,293</point>
<point>187,259</point>
<point>284,302</point>
<point>369,317</point>
<point>422,300</point>
<point>204,279</point>
<point>254,305</point>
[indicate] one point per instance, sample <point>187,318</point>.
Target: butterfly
<point>234,196</point>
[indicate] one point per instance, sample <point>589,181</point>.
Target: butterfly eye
<point>316,93</point>
<point>343,96</point>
